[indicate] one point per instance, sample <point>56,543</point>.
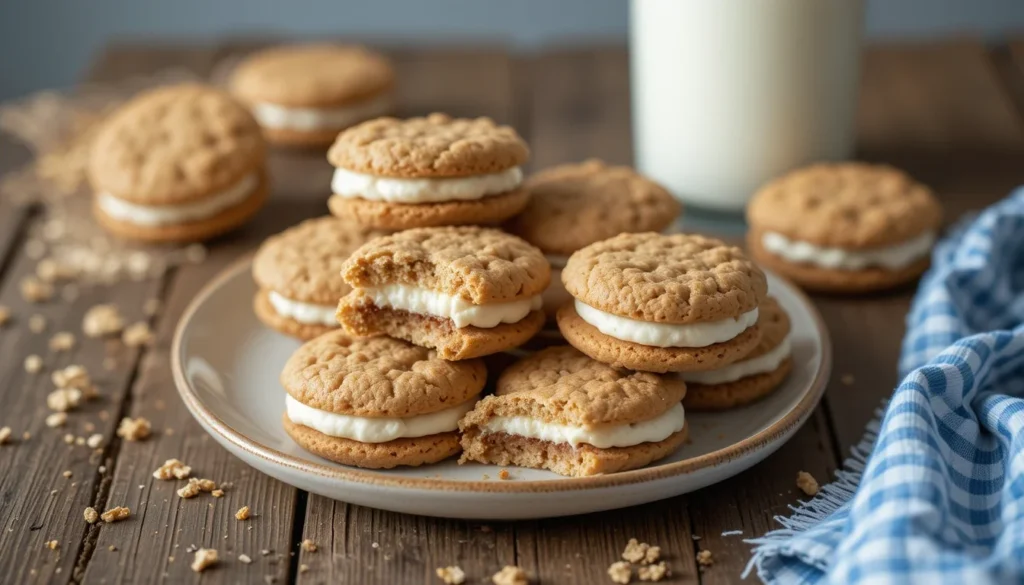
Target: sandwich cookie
<point>661,303</point>
<point>303,95</point>
<point>377,403</point>
<point>179,163</point>
<point>847,227</point>
<point>756,375</point>
<point>574,205</point>
<point>299,275</point>
<point>464,291</point>
<point>399,174</point>
<point>562,411</point>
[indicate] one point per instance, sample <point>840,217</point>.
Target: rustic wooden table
<point>949,113</point>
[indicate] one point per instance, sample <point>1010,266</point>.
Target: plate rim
<point>763,439</point>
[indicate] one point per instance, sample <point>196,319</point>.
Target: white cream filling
<point>666,334</point>
<point>156,215</point>
<point>462,312</point>
<point>759,365</point>
<point>628,435</point>
<point>307,313</point>
<point>310,119</point>
<point>890,257</point>
<point>348,183</point>
<point>376,430</point>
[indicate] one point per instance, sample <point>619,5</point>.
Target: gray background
<point>46,43</point>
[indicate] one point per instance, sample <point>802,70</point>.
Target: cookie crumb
<point>137,334</point>
<point>511,575</point>
<point>5,435</point>
<point>94,441</point>
<point>172,469</point>
<point>218,493</point>
<point>57,419</point>
<point>115,514</point>
<point>242,513</point>
<point>151,307</point>
<point>653,554</point>
<point>806,482</point>
<point>69,439</point>
<point>91,515</point>
<point>26,436</point>
<point>620,572</point>
<point>62,341</point>
<point>33,364</point>
<point>52,544</point>
<point>37,323</point>
<point>635,552</point>
<point>102,321</point>
<point>303,568</point>
<point>134,429</point>
<point>204,559</point>
<point>704,558</point>
<point>654,572</point>
<point>451,575</point>
<point>308,545</point>
<point>35,290</point>
<point>504,474</point>
<point>112,548</point>
<point>5,315</point>
<point>64,399</point>
<point>244,558</point>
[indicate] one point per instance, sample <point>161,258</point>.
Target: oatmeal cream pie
<point>574,205</point>
<point>756,375</point>
<point>398,174</point>
<point>847,227</point>
<point>178,163</point>
<point>304,95</point>
<point>299,275</point>
<point>465,291</point>
<point>662,303</point>
<point>562,411</point>
<point>377,402</point>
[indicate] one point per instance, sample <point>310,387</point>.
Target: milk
<point>730,93</point>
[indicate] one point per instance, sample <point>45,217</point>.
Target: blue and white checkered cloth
<point>941,496</point>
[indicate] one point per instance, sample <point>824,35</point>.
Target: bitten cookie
<point>464,291</point>
<point>661,303</point>
<point>562,411</point>
<point>299,275</point>
<point>848,227</point>
<point>377,403</point>
<point>574,205</point>
<point>398,174</point>
<point>179,163</point>
<point>756,375</point>
<point>305,94</point>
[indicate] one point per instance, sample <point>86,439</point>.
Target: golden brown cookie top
<point>846,205</point>
<point>677,278</point>
<point>575,205</point>
<point>561,385</point>
<point>773,321</point>
<point>378,377</point>
<point>304,262</point>
<point>313,75</point>
<point>433,146</point>
<point>175,144</point>
<point>477,264</point>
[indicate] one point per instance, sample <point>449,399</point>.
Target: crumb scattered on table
<point>134,429</point>
<point>635,551</point>
<point>35,290</point>
<point>806,482</point>
<point>67,473</point>
<point>172,469</point>
<point>5,435</point>
<point>115,514</point>
<point>33,364</point>
<point>244,558</point>
<point>137,334</point>
<point>451,575</point>
<point>511,575</point>
<point>91,515</point>
<point>94,441</point>
<point>204,559</point>
<point>5,315</point>
<point>620,572</point>
<point>102,321</point>
<point>217,493</point>
<point>37,323</point>
<point>242,513</point>
<point>308,545</point>
<point>62,341</point>
<point>57,419</point>
<point>704,558</point>
<point>654,572</point>
<point>52,544</point>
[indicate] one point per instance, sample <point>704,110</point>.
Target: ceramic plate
<point>226,366</point>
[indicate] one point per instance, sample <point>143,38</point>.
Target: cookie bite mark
<point>299,275</point>
<point>399,174</point>
<point>306,94</point>
<point>755,375</point>
<point>562,411</point>
<point>662,303</point>
<point>377,403</point>
<point>846,226</point>
<point>466,292</point>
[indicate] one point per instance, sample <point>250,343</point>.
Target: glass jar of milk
<point>730,93</point>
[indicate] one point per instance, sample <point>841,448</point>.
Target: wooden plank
<point>938,111</point>
<point>410,548</point>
